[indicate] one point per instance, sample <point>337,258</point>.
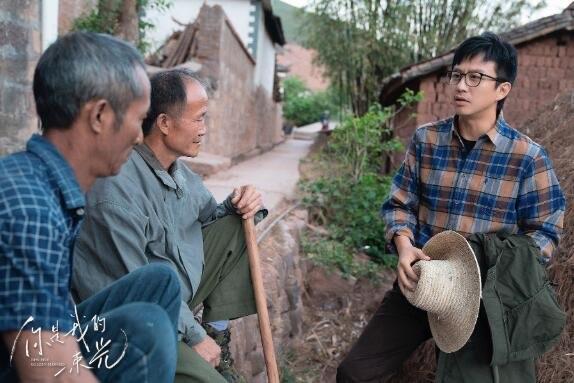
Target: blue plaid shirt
<point>41,207</point>
<point>505,182</point>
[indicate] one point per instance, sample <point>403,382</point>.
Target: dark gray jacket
<point>520,318</point>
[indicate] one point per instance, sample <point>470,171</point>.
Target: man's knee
<point>160,272</point>
<point>163,276</point>
<point>228,229</point>
<point>235,222</point>
<point>149,328</point>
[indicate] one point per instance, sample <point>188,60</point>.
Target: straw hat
<point>449,289</point>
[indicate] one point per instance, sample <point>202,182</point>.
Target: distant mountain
<point>292,19</point>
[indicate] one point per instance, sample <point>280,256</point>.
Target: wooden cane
<point>260,301</point>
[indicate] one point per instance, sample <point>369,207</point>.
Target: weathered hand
<point>247,200</point>
<point>209,351</point>
<point>408,255</point>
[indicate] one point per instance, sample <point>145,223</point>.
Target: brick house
<point>235,49</point>
<point>545,50</point>
<point>237,42</point>
<point>296,60</point>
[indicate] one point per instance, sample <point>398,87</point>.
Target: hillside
<point>292,19</point>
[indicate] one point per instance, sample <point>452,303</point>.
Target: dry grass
<point>336,311</point>
<point>554,129</point>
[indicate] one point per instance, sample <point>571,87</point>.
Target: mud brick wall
<point>242,118</point>
<point>545,69</point>
<point>20,48</point>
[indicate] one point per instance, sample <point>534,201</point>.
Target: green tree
<point>301,106</point>
<point>360,42</point>
<point>122,18</point>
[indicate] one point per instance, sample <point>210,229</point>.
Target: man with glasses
<point>471,173</point>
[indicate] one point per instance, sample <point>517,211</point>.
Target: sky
<point>552,7</point>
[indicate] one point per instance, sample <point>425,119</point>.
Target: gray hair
<point>84,66</point>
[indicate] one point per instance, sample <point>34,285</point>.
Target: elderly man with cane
<point>91,93</point>
<point>158,211</point>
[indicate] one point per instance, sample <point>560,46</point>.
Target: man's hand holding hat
<point>408,255</point>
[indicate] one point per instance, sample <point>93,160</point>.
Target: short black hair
<point>492,48</point>
<point>168,94</point>
<point>82,66</point>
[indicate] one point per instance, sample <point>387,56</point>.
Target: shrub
<point>301,106</point>
<point>347,199</point>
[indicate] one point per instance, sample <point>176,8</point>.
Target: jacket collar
<point>173,178</point>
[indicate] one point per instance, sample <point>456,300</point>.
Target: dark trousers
<point>225,291</point>
<point>392,334</point>
<point>141,310</point>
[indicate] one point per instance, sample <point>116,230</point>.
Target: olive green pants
<point>225,291</point>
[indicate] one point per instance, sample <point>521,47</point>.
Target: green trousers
<point>225,291</point>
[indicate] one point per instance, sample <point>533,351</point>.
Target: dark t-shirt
<point>468,144</point>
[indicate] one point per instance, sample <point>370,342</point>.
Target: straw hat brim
<point>451,332</point>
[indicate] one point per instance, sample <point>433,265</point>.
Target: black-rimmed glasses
<point>471,79</point>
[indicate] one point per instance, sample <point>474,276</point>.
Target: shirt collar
<point>171,179</point>
<point>495,135</point>
<point>59,171</point>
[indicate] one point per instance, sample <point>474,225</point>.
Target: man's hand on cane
<point>247,201</point>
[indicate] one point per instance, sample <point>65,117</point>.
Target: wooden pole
<point>260,301</point>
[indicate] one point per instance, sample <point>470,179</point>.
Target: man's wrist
<point>193,338</point>
<point>402,242</point>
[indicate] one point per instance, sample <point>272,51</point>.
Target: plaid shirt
<point>506,182</point>
<point>41,206</point>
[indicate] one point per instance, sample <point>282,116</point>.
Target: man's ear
<point>163,122</point>
<point>502,90</point>
<point>100,114</point>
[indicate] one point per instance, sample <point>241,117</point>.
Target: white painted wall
<point>49,22</point>
<point>186,11</point>
<point>238,12</point>
<point>265,68</point>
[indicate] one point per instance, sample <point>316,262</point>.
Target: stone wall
<point>545,68</point>
<point>243,118</point>
<point>283,281</point>
<point>20,48</point>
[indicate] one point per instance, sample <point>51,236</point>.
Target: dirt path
<point>336,311</point>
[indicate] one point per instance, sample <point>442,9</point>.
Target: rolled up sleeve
<point>541,204</point>
<point>400,211</point>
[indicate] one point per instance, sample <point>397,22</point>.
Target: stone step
<point>206,164</point>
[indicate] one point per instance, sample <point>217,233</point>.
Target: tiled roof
<point>516,36</point>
